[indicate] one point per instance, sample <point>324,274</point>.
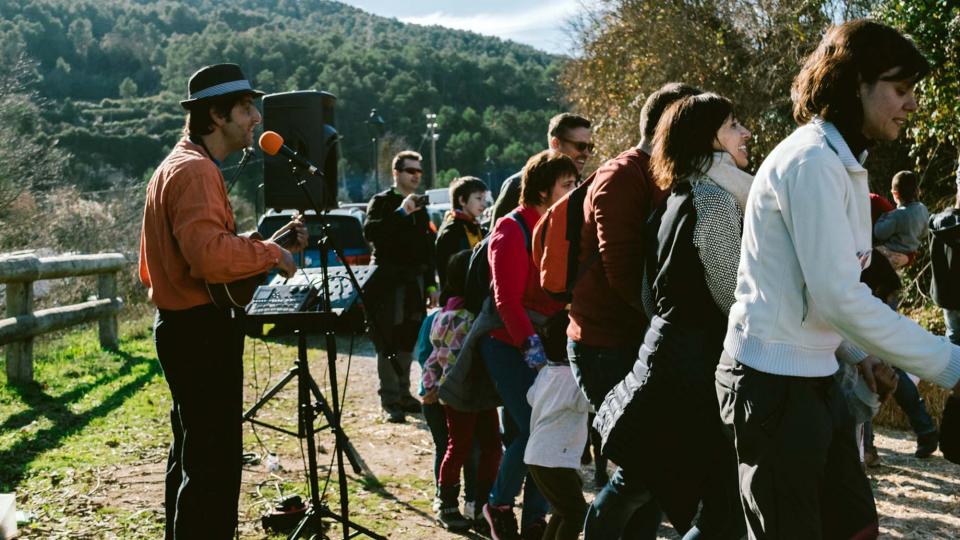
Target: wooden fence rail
<point>23,324</point>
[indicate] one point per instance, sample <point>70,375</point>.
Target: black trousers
<point>563,489</point>
<point>201,351</point>
<point>799,468</point>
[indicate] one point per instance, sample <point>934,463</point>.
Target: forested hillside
<point>106,76</point>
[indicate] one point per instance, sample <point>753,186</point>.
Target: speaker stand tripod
<point>322,321</point>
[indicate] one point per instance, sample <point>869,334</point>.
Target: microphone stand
<point>312,521</point>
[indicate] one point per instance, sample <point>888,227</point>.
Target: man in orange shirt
<point>189,237</point>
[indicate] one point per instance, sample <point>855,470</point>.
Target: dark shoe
<point>449,514</point>
<point>535,530</point>
<point>411,405</point>
<point>502,522</point>
<point>480,525</point>
<point>394,414</point>
<point>927,444</point>
<point>452,520</point>
<point>871,458</point>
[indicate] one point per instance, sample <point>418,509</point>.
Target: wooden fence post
<point>20,353</point>
<point>107,289</point>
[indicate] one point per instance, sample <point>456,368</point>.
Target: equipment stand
<point>311,524</point>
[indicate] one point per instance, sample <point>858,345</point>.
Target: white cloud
<point>541,26</point>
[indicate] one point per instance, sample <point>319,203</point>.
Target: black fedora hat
<point>217,80</point>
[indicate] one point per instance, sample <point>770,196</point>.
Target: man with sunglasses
<point>568,134</point>
<point>399,230</point>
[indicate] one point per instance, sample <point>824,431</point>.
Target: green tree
<point>747,51</point>
<point>128,88</point>
<point>935,27</point>
<point>28,159</point>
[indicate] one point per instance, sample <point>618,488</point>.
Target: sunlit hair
<point>683,141</point>
<point>852,53</point>
<point>540,174</point>
<point>658,102</point>
<point>464,187</point>
<point>562,124</point>
<point>398,160</point>
<point>907,185</point>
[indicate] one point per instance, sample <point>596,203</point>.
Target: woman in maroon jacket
<point>514,353</point>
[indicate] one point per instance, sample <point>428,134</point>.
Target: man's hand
<point>880,378</point>
<point>866,368</point>
<point>887,380</point>
<point>431,397</point>
<point>409,203</point>
<point>295,224</point>
<point>286,264</point>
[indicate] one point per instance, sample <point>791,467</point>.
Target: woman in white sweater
<point>800,304</point>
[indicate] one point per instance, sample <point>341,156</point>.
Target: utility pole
<point>432,133</point>
<point>375,125</point>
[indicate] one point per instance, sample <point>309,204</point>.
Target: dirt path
<point>916,498</point>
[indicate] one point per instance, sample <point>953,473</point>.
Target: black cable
<point>247,153</point>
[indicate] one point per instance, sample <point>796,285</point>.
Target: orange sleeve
<point>200,215</point>
<point>144,273</point>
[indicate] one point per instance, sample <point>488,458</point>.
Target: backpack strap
<point>515,215</point>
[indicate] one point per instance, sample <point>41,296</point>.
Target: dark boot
<point>927,444</point>
<point>449,514</point>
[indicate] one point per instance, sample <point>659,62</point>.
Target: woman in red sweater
<point>515,352</point>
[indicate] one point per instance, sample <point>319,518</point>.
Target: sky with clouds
<point>540,23</point>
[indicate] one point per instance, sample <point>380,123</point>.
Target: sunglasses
<point>411,170</point>
<point>579,145</point>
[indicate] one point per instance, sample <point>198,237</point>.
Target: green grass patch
<point>84,446</point>
<point>87,406</point>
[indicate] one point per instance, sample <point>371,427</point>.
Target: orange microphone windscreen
<point>270,142</point>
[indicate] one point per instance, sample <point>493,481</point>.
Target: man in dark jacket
<point>945,290</point>
<point>402,237</point>
<point>568,134</point>
<point>460,229</point>
<point>945,286</point>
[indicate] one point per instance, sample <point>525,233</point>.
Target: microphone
<point>272,144</point>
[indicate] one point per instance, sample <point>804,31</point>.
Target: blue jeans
<point>951,317</point>
<point>908,398</point>
<point>624,508</point>
<point>437,422</point>
<point>512,378</point>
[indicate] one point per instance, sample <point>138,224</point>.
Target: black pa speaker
<point>305,121</point>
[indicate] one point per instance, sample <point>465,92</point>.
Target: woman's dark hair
<point>683,141</point>
<point>199,121</point>
<point>540,174</point>
<point>854,52</point>
<point>456,279</point>
<point>464,187</point>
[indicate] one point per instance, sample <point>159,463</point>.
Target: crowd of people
<point>733,334</point>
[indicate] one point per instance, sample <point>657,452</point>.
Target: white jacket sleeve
<point>813,202</point>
